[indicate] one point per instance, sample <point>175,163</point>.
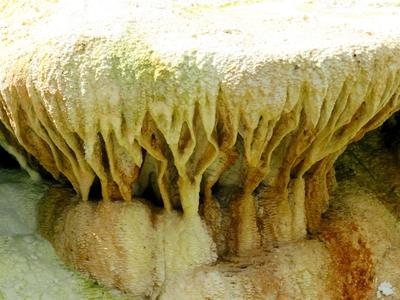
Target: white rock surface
<point>385,289</point>
<point>29,267</point>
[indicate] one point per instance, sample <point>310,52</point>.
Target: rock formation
<point>210,129</point>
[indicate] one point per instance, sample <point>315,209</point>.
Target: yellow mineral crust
<point>232,112</point>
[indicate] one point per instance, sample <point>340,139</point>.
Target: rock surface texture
<point>210,129</point>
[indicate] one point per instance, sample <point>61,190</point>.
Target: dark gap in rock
<point>150,194</point>
<point>7,161</point>
<point>95,194</point>
<point>390,131</point>
<point>104,154</point>
<point>224,193</point>
<point>47,176</point>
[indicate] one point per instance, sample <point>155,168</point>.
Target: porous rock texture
<point>211,128</point>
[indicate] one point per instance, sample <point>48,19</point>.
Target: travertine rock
<point>230,114</point>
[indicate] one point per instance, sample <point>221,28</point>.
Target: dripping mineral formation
<point>198,139</point>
